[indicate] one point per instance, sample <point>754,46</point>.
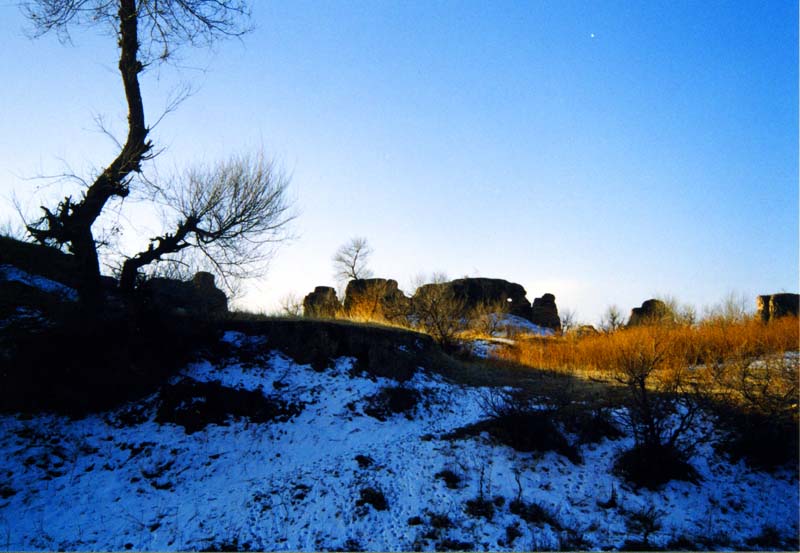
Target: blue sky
<point>602,151</point>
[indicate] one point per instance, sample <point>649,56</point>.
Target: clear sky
<point>602,151</point>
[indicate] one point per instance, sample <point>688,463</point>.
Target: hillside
<point>320,460</point>
<point>303,434</point>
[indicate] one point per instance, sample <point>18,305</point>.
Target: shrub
<point>516,420</point>
<point>450,478</point>
<point>392,400</point>
<point>532,513</point>
<point>480,507</point>
<point>439,312</point>
<point>440,521</point>
<point>194,405</point>
<point>487,318</point>
<point>653,466</point>
<point>591,425</point>
<point>645,521</point>
<point>374,497</point>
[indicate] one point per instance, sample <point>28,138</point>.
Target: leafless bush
<point>291,306</point>
<point>439,312</point>
<point>488,317</point>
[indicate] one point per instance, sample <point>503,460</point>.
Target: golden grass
<point>744,361</point>
<point>707,342</point>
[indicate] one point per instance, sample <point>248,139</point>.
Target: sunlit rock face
<point>544,312</point>
<point>322,303</point>
<point>774,306</point>
<point>375,298</point>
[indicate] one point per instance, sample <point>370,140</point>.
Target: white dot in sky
<point>591,35</point>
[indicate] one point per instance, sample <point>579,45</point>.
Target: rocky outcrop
<point>322,303</point>
<point>198,297</point>
<point>374,299</point>
<point>492,292</point>
<point>652,311</point>
<point>773,306</point>
<point>544,312</point>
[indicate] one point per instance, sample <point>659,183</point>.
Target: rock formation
<point>375,298</point>
<point>777,305</point>
<point>322,303</point>
<point>544,312</point>
<point>651,311</point>
<point>491,292</point>
<point>199,297</point>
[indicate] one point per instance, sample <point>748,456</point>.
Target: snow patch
<point>11,273</point>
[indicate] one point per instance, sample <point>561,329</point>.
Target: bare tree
<point>350,260</point>
<point>291,306</point>
<point>147,32</point>
<point>569,320</point>
<point>232,213</point>
<point>612,319</point>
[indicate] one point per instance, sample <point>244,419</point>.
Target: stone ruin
<point>377,298</point>
<point>544,312</point>
<point>322,303</point>
<point>651,311</point>
<point>199,296</point>
<point>772,306</point>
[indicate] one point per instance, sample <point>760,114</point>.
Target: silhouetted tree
<point>147,32</point>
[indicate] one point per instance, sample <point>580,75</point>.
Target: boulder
<point>375,298</point>
<point>322,303</point>
<point>198,297</point>
<point>544,312</point>
<point>652,311</point>
<point>773,306</point>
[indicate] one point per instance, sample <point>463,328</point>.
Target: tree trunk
<point>72,223</point>
<point>89,283</point>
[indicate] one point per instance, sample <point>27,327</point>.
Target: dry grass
<point>710,343</point>
<point>744,364</point>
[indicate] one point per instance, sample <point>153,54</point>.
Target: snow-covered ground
<point>511,325</point>
<point>122,481</point>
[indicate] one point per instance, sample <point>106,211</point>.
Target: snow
<point>11,273</point>
<point>512,324</point>
<point>97,484</point>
